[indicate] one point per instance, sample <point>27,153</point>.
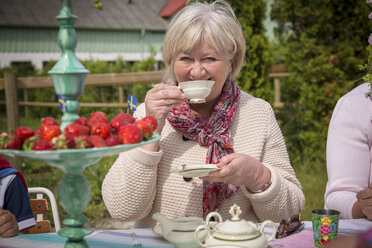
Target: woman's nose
<point>197,70</point>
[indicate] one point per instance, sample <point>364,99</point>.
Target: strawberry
<point>97,114</point>
<point>8,141</point>
<point>48,132</point>
<point>76,129</point>
<point>63,141</point>
<point>98,119</point>
<point>97,141</point>
<point>37,133</point>
<point>23,133</point>
<point>145,128</point>
<point>130,134</point>
<point>37,144</point>
<point>101,129</point>
<point>113,140</point>
<point>82,121</point>
<point>42,145</point>
<point>82,142</point>
<point>121,119</point>
<point>49,121</point>
<point>151,121</point>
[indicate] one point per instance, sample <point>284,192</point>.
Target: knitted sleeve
<point>128,189</point>
<point>284,197</point>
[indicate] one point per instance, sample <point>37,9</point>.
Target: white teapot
<point>234,232</point>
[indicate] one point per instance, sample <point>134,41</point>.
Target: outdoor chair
<point>39,207</point>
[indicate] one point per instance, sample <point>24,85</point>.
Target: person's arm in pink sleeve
<point>348,156</point>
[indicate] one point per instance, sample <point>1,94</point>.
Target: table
<point>304,239</point>
<point>122,238</point>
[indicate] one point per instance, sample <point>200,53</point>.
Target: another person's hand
<point>160,100</point>
<point>8,224</point>
<point>363,207</point>
<point>347,241</point>
<point>241,169</point>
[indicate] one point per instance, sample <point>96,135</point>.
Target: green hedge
<point>322,43</point>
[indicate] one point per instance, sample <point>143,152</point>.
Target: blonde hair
<point>214,23</point>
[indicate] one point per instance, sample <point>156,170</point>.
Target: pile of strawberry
<point>83,133</point>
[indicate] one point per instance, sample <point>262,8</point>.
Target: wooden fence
<point>11,84</point>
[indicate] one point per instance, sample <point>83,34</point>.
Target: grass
<point>313,178</point>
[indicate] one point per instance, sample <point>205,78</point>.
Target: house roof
<point>116,14</point>
<point>172,7</point>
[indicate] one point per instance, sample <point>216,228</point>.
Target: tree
<point>253,77</point>
<point>323,42</point>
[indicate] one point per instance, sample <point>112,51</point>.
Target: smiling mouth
<point>208,79</point>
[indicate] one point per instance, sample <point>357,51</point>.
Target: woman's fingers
<point>164,95</point>
<point>161,99</point>
<point>226,174</point>
<point>367,211</point>
<point>364,194</point>
<point>237,169</point>
<point>161,86</point>
<point>165,102</point>
<point>225,160</point>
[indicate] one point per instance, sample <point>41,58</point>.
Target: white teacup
<point>196,90</point>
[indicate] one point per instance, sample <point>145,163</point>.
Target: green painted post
<point>68,74</point>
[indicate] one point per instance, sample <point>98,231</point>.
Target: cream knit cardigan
<point>140,184</point>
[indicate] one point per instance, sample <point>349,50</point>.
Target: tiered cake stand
<point>68,76</point>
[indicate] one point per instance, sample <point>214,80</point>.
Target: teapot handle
<point>212,214</point>
<point>197,230</point>
<point>263,226</point>
<point>209,228</point>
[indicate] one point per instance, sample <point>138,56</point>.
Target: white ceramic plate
<point>201,170</point>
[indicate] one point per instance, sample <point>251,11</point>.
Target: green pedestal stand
<point>68,74</point>
<point>74,189</point>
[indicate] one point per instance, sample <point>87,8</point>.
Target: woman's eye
<point>185,58</point>
<point>210,59</point>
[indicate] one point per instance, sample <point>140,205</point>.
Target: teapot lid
<point>237,226</point>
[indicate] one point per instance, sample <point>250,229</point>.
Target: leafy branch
<point>367,78</point>
<point>368,67</point>
<point>98,4</point>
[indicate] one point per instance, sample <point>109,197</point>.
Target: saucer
<point>201,170</point>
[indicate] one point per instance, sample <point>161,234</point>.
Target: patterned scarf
<point>214,134</point>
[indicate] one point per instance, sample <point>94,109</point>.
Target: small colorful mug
<point>325,225</point>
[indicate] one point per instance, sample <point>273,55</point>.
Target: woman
<point>232,129</point>
<point>349,155</point>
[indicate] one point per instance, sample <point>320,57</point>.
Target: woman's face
<point>203,63</point>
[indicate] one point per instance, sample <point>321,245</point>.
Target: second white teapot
<point>235,232</point>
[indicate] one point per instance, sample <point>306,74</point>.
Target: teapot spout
<point>166,224</point>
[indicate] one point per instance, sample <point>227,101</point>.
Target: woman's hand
<point>363,207</point>
<point>8,224</point>
<point>241,169</point>
<point>160,100</point>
